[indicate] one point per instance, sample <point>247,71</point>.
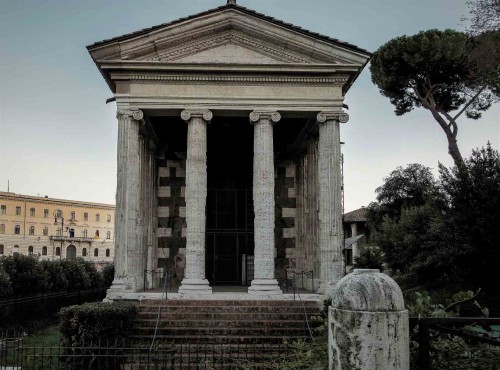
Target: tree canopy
<point>484,15</point>
<point>445,236</point>
<point>441,71</point>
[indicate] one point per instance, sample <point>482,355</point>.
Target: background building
<point>354,225</point>
<point>56,228</point>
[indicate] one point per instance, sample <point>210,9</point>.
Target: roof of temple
<point>241,9</point>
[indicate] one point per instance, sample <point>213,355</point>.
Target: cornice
<point>235,80</point>
<point>53,201</point>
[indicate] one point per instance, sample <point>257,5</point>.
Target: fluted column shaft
<point>196,198</point>
<point>263,201</point>
<point>129,260</point>
<point>330,198</point>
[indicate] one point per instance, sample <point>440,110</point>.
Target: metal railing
<point>450,326</point>
<point>164,279</point>
<point>296,277</point>
<point>16,353</point>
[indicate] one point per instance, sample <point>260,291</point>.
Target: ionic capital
<point>257,116</point>
<point>339,116</point>
<point>137,115</point>
<point>207,115</point>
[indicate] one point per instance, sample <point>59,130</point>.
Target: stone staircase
<point>214,331</point>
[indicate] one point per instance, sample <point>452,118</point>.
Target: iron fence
<point>15,353</point>
<point>421,329</point>
<point>161,279</point>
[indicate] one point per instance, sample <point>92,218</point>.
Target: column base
<point>121,287</point>
<point>195,287</point>
<point>264,287</point>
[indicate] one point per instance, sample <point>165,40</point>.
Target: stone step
<point>227,339</point>
<point>233,309</point>
<point>248,323</point>
<point>206,303</point>
<point>224,316</point>
<point>220,331</point>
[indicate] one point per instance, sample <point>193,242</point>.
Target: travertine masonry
<point>263,198</point>
<point>195,281</point>
<point>330,198</point>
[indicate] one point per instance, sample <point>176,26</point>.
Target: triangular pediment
<point>228,35</point>
<point>231,46</point>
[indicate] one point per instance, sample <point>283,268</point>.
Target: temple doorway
<point>230,217</point>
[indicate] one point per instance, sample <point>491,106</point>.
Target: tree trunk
<point>452,141</point>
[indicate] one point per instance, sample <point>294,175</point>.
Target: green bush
<point>93,327</point>
<point>96,322</point>
<point>5,284</point>
<point>29,276</point>
<point>24,273</point>
<point>370,258</point>
<point>108,274</point>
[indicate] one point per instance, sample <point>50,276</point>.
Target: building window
<point>2,228</point>
<point>97,234</point>
<point>30,250</point>
<point>71,233</point>
<point>97,217</point>
<point>17,229</point>
<point>44,251</point>
<point>84,252</point>
<point>45,231</point>
<point>108,235</point>
<point>3,209</point>
<point>16,250</point>
<point>107,252</point>
<point>108,218</point>
<point>58,251</point>
<point>18,211</point>
<point>84,233</point>
<point>59,232</point>
<point>45,213</point>
<point>32,230</point>
<point>96,252</point>
<point>85,216</point>
<point>73,215</point>
<point>32,212</point>
<point>1,249</point>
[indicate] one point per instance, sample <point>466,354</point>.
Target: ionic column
<point>354,232</point>
<point>263,201</point>
<point>195,281</point>
<point>330,202</point>
<point>129,264</point>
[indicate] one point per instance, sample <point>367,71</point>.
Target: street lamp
<point>58,214</point>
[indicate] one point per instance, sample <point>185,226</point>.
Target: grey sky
<point>58,138</point>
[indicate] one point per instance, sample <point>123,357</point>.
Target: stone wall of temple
<point>171,231</point>
<point>285,213</point>
<point>307,219</point>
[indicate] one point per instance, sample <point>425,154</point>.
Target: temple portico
<point>229,158</point>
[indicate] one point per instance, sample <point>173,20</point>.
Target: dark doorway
<point>229,237</point>
<point>71,252</point>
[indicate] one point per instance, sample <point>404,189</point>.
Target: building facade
<point>355,225</point>
<point>55,228</point>
<point>228,150</point>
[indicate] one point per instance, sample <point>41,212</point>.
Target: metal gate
<point>229,257</point>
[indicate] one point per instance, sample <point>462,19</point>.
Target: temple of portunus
<point>229,158</point>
